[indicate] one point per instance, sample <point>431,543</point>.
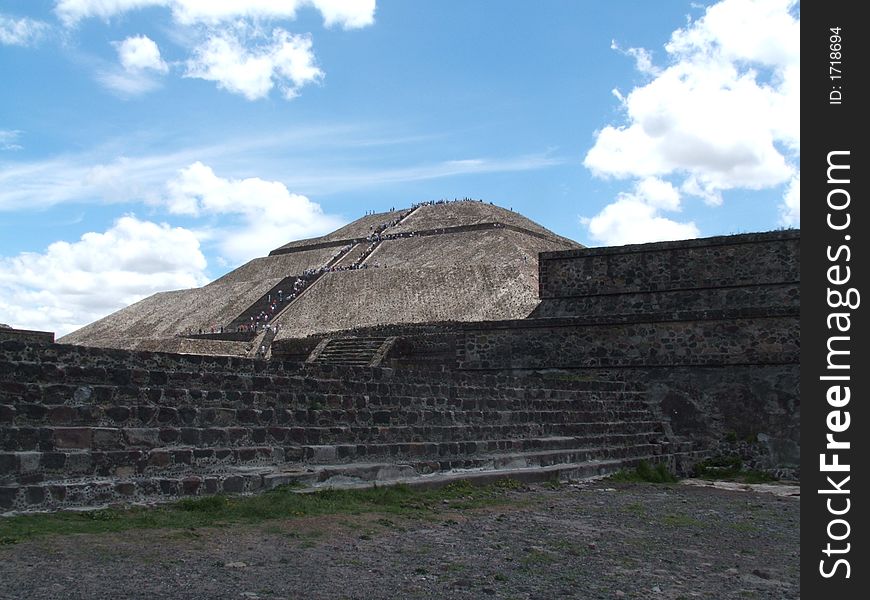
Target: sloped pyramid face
<point>451,261</point>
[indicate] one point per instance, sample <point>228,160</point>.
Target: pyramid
<point>435,262</point>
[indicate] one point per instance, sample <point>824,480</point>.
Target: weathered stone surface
<point>73,437</point>
<point>654,381</point>
<point>464,261</point>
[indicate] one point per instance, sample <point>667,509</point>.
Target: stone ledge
<point>722,240</point>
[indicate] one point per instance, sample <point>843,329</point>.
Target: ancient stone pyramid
<point>435,262</point>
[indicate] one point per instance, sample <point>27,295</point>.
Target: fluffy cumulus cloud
<point>140,53</point>
<point>286,60</point>
<point>233,43</point>
<point>348,14</point>
<point>139,61</point>
<point>266,214</point>
<point>72,284</point>
<point>21,31</point>
<point>723,114</point>
<point>636,216</point>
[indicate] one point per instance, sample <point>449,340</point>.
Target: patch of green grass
<point>644,472</point>
<point>280,503</point>
<point>729,468</point>
<point>636,508</point>
<point>678,520</point>
<point>755,477</point>
<point>569,547</point>
<point>745,527</point>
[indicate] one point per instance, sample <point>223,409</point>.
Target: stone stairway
<point>356,351</point>
<point>87,426</point>
<point>263,304</point>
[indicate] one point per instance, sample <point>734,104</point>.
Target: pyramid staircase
<point>356,351</point>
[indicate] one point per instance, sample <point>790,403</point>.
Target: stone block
<point>190,436</point>
<point>142,436</point>
<point>7,414</point>
<point>8,494</point>
<point>73,437</point>
<point>214,436</point>
<point>258,435</point>
<point>236,434</point>
<point>8,463</point>
<point>57,492</point>
<point>187,415</point>
<point>119,414</point>
<point>33,412</point>
<point>167,414</point>
<point>170,487</point>
<point>79,462</point>
<point>182,457</point>
<point>125,488</point>
<point>34,495</point>
<point>105,438</point>
<point>28,462</point>
<point>234,484</point>
<point>159,458</point>
<point>190,485</point>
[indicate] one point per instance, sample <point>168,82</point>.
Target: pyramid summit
<point>437,261</point>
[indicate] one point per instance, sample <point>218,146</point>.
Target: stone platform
<point>86,426</point>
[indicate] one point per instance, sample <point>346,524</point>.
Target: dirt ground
<point>589,540</point>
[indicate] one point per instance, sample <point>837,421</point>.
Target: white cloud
<point>140,61</point>
<point>21,32</point>
<point>630,221</point>
<point>636,217</point>
<point>348,14</point>
<point>9,139</point>
<point>140,53</point>
<point>724,114</point>
<point>230,40</point>
<point>72,284</point>
<point>286,60</point>
<point>658,193</point>
<point>642,58</point>
<point>270,215</point>
<point>790,209</point>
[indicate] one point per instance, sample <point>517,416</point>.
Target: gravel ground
<point>588,540</point>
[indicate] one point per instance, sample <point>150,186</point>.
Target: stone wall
<point>693,339</point>
<point>84,425</point>
<point>10,333</point>
<point>709,328</point>
<point>717,262</point>
<point>747,411</point>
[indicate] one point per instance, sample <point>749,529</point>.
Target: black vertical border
<point>828,127</point>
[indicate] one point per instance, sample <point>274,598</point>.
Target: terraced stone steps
<point>148,416</point>
<point>60,439</point>
<point>69,402</point>
<point>85,425</point>
<point>263,303</point>
<point>245,374</point>
<point>359,351</point>
<point>39,465</point>
<point>247,479</point>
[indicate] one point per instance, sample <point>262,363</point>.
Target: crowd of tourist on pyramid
<point>260,322</point>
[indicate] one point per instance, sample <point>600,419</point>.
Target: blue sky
<point>148,145</point>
